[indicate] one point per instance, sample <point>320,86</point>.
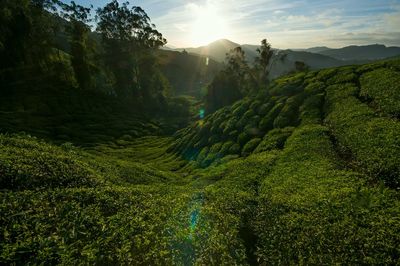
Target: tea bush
<point>383,87</point>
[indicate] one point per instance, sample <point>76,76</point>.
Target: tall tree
<point>27,29</point>
<point>262,62</point>
<point>78,29</point>
<point>230,84</point>
<point>127,35</point>
<point>236,62</point>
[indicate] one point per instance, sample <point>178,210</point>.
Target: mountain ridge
<point>393,50</point>
<point>283,60</point>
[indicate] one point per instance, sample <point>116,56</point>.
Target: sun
<point>209,25</point>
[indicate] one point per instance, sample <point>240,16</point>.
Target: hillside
<point>316,50</point>
<point>367,52</point>
<point>306,172</point>
<point>283,62</point>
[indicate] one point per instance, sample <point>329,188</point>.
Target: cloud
<point>286,23</point>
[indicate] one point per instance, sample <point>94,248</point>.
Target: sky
<point>285,24</point>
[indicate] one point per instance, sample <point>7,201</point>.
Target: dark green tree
<point>263,61</point>
<point>232,83</point>
<point>223,90</point>
<point>27,29</point>
<point>128,37</point>
<point>78,29</point>
<point>300,66</point>
<point>236,62</point>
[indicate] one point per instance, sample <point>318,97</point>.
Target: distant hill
<point>367,52</point>
<point>317,49</point>
<point>283,61</point>
<point>215,50</point>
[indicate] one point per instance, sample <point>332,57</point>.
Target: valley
<point>117,149</point>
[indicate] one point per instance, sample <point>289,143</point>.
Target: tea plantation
<point>305,173</point>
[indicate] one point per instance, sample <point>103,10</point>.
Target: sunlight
<point>209,24</point>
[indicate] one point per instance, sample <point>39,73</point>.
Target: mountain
<point>216,50</point>
<point>367,52</point>
<point>317,49</point>
<point>283,61</point>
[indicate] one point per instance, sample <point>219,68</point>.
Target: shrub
<point>234,149</point>
<point>275,139</point>
<point>230,125</point>
<point>255,105</point>
<point>372,141</point>
<point>383,87</point>
<point>325,74</point>
<point>310,212</point>
<point>225,149</point>
<point>314,88</point>
<point>250,146</point>
<point>310,110</point>
<point>243,138</point>
<point>241,109</point>
<point>26,163</point>
<point>266,123</point>
<point>265,108</point>
<point>107,226</point>
<point>343,75</point>
<point>288,116</point>
<point>288,85</point>
<point>216,148</point>
<point>214,139</point>
<point>202,155</point>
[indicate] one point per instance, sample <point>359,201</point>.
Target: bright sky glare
<point>285,23</point>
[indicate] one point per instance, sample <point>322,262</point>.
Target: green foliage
<point>224,90</point>
<point>310,110</point>
<point>243,138</point>
<point>234,149</point>
<point>311,212</point>
<point>266,123</point>
<point>372,141</point>
<point>288,116</point>
<point>101,226</point>
<point>383,87</point>
<point>274,140</point>
<point>225,148</point>
<point>26,163</point>
<point>237,187</point>
<point>343,75</point>
<point>250,146</point>
<point>47,52</point>
<point>288,85</point>
<point>314,87</point>
<point>265,108</point>
<point>263,60</point>
<point>84,70</point>
<point>128,36</point>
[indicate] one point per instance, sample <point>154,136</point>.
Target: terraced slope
<point>359,106</point>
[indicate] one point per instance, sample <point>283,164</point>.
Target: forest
<point>115,150</point>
